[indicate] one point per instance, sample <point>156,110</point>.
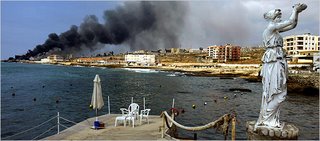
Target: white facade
<point>45,60</point>
<point>142,59</point>
<point>213,51</point>
<point>301,48</point>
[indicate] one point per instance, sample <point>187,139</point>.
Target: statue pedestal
<point>288,132</point>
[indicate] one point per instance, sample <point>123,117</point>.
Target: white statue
<point>275,67</point>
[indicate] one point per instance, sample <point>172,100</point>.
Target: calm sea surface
<point>38,87</point>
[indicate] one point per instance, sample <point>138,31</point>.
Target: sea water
<point>40,91</point>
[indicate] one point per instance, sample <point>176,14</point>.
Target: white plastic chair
<point>129,114</point>
<point>120,118</point>
<point>144,114</point>
<point>132,109</point>
<point>124,111</point>
<point>130,118</point>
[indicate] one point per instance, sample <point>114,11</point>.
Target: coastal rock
<point>305,83</point>
<point>240,90</point>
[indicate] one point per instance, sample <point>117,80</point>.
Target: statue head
<point>273,15</point>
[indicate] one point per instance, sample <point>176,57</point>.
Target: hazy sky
<point>27,24</point>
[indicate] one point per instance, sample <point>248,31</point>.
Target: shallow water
<point>72,88</point>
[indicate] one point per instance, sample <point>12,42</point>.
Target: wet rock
<point>240,90</point>
<point>304,83</point>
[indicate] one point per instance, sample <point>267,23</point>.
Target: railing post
<point>233,131</point>
<point>144,103</point>
<point>172,103</point>
<point>58,123</point>
<point>109,105</point>
<point>163,126</point>
<point>195,136</point>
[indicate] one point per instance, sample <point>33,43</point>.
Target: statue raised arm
<point>275,67</point>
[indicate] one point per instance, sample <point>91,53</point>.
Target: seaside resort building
<point>52,59</point>
<point>140,59</point>
<point>224,53</point>
<point>91,60</point>
<point>301,48</point>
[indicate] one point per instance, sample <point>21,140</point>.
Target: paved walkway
<point>83,131</point>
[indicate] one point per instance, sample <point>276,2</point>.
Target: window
<point>300,48</point>
<point>300,38</point>
<point>300,43</point>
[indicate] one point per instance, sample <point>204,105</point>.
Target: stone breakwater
<point>307,83</point>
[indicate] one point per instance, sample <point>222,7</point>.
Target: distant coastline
<point>301,81</point>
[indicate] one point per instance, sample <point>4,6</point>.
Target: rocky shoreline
<point>307,83</point>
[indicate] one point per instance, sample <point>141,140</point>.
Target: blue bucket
<point>96,124</point>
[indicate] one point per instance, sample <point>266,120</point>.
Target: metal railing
<point>57,125</point>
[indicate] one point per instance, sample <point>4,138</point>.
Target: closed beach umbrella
<point>97,100</point>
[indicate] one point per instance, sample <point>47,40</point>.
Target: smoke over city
<point>154,25</point>
<point>138,25</point>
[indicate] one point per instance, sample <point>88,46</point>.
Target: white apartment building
<point>301,48</point>
<point>140,59</point>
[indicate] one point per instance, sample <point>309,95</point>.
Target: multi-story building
<point>55,58</point>
<point>233,52</point>
<point>140,59</point>
<point>198,50</point>
<point>91,60</point>
<point>300,48</point>
<point>51,59</point>
<point>224,53</point>
<point>177,50</point>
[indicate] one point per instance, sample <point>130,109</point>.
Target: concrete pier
<point>289,132</point>
<point>83,131</point>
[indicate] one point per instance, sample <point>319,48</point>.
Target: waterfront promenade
<point>83,131</point>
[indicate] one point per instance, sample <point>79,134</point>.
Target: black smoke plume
<point>139,25</point>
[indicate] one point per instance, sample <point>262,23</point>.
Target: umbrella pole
<point>96,104</point>
<point>97,114</point>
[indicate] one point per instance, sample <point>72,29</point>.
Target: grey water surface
<point>40,91</point>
